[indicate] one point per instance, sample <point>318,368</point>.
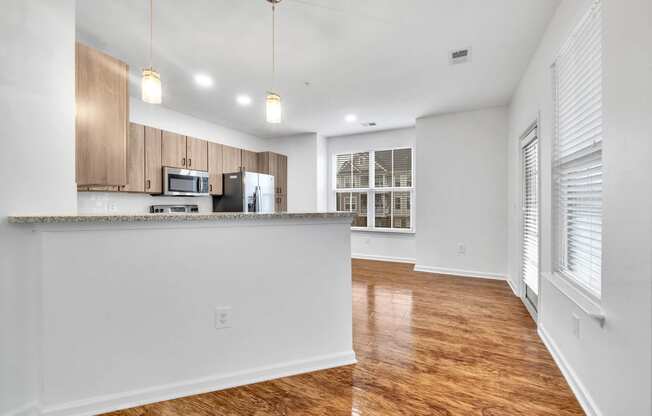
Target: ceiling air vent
<point>368,124</point>
<point>460,56</point>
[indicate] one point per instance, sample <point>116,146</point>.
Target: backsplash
<point>125,203</point>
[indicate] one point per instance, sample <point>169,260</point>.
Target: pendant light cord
<point>151,30</point>
<point>274,45</point>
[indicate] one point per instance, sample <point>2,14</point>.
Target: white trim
<point>515,290</point>
<point>581,393</point>
<point>383,258</point>
<point>383,230</point>
<point>28,409</point>
<point>124,400</point>
<point>459,272</point>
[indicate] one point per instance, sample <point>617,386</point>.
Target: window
<point>577,158</point>
<point>378,187</point>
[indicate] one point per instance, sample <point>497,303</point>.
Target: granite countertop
<point>140,218</point>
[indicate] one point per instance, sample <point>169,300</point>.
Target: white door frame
<point>521,144</point>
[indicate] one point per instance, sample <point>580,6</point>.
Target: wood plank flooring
<point>426,345</point>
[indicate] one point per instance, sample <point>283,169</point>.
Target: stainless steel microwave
<point>184,182</point>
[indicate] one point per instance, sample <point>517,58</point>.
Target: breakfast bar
<point>146,307</point>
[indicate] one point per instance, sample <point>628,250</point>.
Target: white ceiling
<point>386,61</point>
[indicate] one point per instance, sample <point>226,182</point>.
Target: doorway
<point>530,218</point>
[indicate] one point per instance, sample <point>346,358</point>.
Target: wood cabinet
<point>153,165</point>
<point>135,159</point>
<point>101,123</point>
<point>231,159</point>
<point>250,161</point>
<point>173,150</point>
<point>276,165</point>
<point>215,168</point>
<point>196,154</point>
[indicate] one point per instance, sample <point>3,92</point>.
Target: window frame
<point>372,190</point>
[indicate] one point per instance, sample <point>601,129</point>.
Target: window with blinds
<point>577,157</point>
<point>378,186</point>
<point>530,218</point>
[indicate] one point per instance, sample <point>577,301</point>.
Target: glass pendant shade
<point>274,108</point>
<point>151,86</point>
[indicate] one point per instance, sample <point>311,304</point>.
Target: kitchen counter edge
<point>172,218</point>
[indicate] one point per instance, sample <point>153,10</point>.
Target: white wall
<point>369,244</point>
<point>163,118</point>
<point>37,167</point>
<point>609,368</point>
<point>287,316</point>
<point>461,176</point>
<point>304,178</point>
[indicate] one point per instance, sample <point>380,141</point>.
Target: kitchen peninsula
<point>143,308</point>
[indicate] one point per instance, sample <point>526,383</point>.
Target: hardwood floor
<point>426,345</point>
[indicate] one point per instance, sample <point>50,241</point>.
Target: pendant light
<point>151,82</point>
<point>273,100</point>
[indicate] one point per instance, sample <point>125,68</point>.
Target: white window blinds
<point>530,248</point>
<point>577,158</point>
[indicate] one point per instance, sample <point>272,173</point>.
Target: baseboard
<point>29,409</point>
<point>383,258</point>
<point>459,272</point>
<point>582,395</point>
<point>517,291</point>
<point>129,399</point>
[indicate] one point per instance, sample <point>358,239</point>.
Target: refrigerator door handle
<point>258,198</point>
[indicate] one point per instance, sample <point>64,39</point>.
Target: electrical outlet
<point>367,241</point>
<point>223,317</point>
<point>461,248</point>
<point>576,326</point>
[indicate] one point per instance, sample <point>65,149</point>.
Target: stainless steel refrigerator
<point>246,192</point>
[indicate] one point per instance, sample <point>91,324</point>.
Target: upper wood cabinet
<point>250,161</point>
<point>196,154</point>
<point>282,175</point>
<point>173,150</point>
<point>135,159</point>
<point>231,159</point>
<point>215,168</point>
<point>153,166</point>
<point>102,118</point>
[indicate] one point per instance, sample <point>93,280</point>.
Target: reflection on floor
<point>426,345</point>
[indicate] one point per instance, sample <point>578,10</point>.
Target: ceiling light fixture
<point>274,109</point>
<point>243,100</point>
<point>151,91</point>
<point>204,80</point>
<point>350,118</point>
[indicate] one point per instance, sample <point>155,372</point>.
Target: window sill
<point>380,230</point>
<point>587,304</point>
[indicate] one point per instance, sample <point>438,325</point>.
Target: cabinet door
<point>231,159</point>
<point>215,169</point>
<point>197,154</point>
<point>282,174</point>
<point>173,150</point>
<point>281,204</point>
<point>153,167</point>
<point>101,121</point>
<point>250,161</point>
<point>135,159</point>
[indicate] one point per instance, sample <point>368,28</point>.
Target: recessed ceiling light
<point>243,100</point>
<point>204,80</point>
<point>351,118</point>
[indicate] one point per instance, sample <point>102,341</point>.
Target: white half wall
<point>610,368</point>
<point>37,167</point>
<point>372,244</point>
<point>461,177</point>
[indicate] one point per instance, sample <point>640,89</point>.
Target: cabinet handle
<point>189,162</point>
<point>183,162</point>
<point>210,188</point>
<point>149,184</point>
